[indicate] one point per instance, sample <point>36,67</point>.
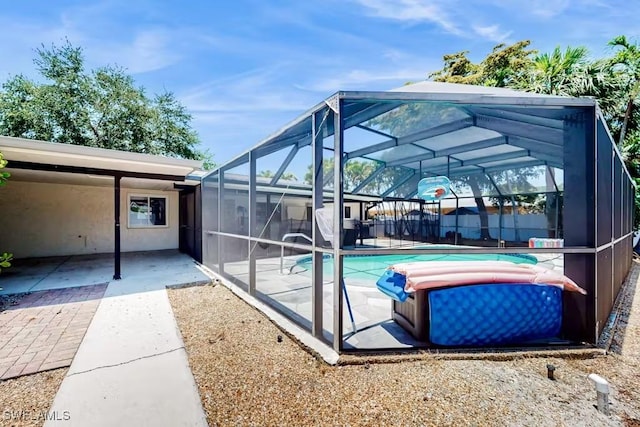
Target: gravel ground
<point>24,401</point>
<point>247,377</point>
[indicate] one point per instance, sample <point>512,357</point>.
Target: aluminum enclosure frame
<point>598,191</point>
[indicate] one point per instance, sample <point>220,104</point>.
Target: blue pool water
<point>371,267</point>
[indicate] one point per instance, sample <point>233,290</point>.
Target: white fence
<point>514,228</point>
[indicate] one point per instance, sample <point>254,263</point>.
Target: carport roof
<point>75,158</point>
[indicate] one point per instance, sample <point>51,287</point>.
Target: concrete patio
<point>131,367</point>
<point>38,274</point>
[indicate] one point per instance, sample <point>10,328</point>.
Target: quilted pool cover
<point>481,315</point>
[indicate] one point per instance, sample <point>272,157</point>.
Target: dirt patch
<point>25,401</point>
<point>250,373</point>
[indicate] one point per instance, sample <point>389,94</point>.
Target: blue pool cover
<point>481,315</point>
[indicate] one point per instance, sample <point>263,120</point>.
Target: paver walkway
<point>44,330</point>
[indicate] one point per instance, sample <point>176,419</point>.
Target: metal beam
<point>493,182</point>
<point>370,178</point>
<point>278,145</point>
<point>523,117</point>
<point>535,145</point>
<point>411,159</point>
<point>526,130</point>
<point>418,136</point>
<point>328,178</point>
<point>524,164</point>
<point>372,149</point>
<point>496,157</point>
<point>464,170</point>
<point>477,145</point>
<point>550,158</point>
<point>376,109</point>
<point>285,164</point>
<point>400,182</point>
<point>376,131</point>
<point>252,221</point>
<point>551,174</point>
<point>238,161</point>
<point>304,142</point>
<point>480,160</point>
<point>554,113</point>
<point>525,100</point>
<point>338,199</point>
<point>221,182</point>
<point>317,257</point>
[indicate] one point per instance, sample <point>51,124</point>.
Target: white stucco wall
<point>42,219</point>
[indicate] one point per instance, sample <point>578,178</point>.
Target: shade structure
<point>517,156</point>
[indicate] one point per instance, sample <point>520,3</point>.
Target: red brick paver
<point>45,329</point>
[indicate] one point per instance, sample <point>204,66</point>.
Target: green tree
<point>556,73</point>
<point>506,65</point>
<point>627,60</point>
<point>287,176</point>
<point>356,171</point>
<point>98,108</point>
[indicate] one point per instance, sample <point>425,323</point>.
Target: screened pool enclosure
<point>310,219</point>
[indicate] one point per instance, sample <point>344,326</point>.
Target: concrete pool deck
<point>290,293</point>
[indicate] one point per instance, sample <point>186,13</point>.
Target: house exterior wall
<point>43,219</point>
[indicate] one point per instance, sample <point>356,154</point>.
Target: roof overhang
<point>45,157</point>
<point>50,153</point>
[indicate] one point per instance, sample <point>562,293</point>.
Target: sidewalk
<point>131,368</point>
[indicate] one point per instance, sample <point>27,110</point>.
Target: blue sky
<point>244,68</point>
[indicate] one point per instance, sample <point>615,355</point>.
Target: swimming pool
<point>371,267</point>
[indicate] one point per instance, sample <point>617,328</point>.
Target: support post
<point>316,288</point>
<point>455,239</point>
<point>252,222</point>
<point>500,218</point>
<point>579,323</point>
<point>361,220</point>
<point>116,227</point>
<point>220,221</point>
<point>338,199</point>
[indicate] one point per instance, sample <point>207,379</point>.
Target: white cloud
<point>454,17</point>
<point>97,29</point>
<point>413,11</point>
<point>251,91</point>
<point>366,79</point>
<point>492,32</point>
<point>147,50</point>
<point>546,9</point>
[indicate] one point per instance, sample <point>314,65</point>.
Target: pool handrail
<point>289,236</point>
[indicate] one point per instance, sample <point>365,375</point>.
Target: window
<point>147,211</point>
<point>347,212</point>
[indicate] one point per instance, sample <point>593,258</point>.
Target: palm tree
<point>555,73</point>
<point>627,60</point>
